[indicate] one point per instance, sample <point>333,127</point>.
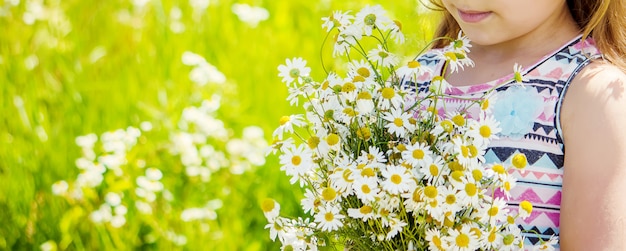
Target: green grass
<point>141,78</point>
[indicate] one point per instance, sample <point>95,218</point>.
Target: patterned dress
<point>529,117</point>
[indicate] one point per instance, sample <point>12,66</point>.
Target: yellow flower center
<point>464,151</point>
<point>416,196</point>
<point>363,72</point>
<point>365,209</point>
<point>398,24</point>
<point>477,174</point>
<point>365,189</point>
<point>329,216</point>
<point>350,112</point>
<point>485,131</point>
<point>450,199</point>
<point>296,160</point>
<point>451,56</point>
<point>470,189</point>
<point>418,154</point>
<point>499,169</point>
<point>364,95</point>
<point>493,211</point>
<point>492,236</point>
<point>447,126</point>
<point>526,206</point>
<point>456,175</point>
<point>267,205</point>
<point>348,87</point>
<point>519,161</point>
<point>398,122</point>
<point>430,192</point>
<point>437,241</point>
<point>367,172</point>
<point>313,142</point>
<point>329,194</point>
<point>413,64</point>
<point>332,139</point>
<point>473,151</point>
<point>388,93</point>
<point>358,78</point>
<point>459,120</point>
<point>434,170</point>
<point>462,240</point>
<point>396,179</point>
<point>484,105</point>
<point>284,119</point>
<point>325,85</point>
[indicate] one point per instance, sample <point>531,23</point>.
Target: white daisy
<point>296,161</point>
<point>286,125</point>
<point>293,69</point>
<point>361,68</point>
<point>435,240</point>
<point>463,239</point>
<point>412,71</point>
<point>417,154</point>
<point>398,122</point>
<point>397,179</point>
<point>364,213</point>
<point>370,18</point>
<point>382,57</point>
<point>495,212</point>
<point>388,97</point>
<point>337,20</point>
<point>372,155</point>
<point>395,226</point>
<point>484,130</point>
<point>395,28</point>
<point>310,202</point>
<point>367,190</point>
<point>434,169</point>
<point>347,38</point>
<point>329,218</point>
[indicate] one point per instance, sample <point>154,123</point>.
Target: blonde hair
<point>602,20</point>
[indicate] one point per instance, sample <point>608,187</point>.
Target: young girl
<point>568,116</point>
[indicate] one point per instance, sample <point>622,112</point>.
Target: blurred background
<point>144,124</point>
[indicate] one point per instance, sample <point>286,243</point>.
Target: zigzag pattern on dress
<point>541,183</point>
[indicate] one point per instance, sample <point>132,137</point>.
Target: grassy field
<point>70,68</point>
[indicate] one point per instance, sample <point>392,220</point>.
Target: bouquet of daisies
<point>381,168</point>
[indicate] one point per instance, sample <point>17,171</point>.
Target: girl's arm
<point>593,203</point>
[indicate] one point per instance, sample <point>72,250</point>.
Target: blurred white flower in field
<point>48,246</point>
<point>176,25</point>
<point>97,53</point>
<point>177,239</point>
<point>139,4</point>
<point>60,187</point>
<point>35,11</point>
<point>203,72</point>
<point>202,213</point>
<point>31,62</point>
<point>199,5</point>
<point>250,15</point>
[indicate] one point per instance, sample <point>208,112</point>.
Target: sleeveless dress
<point>529,118</point>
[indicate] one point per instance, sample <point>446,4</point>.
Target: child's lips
<point>471,16</point>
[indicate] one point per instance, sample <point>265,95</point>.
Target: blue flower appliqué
<point>516,109</point>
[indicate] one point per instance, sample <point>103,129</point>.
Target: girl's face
<point>489,22</point>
